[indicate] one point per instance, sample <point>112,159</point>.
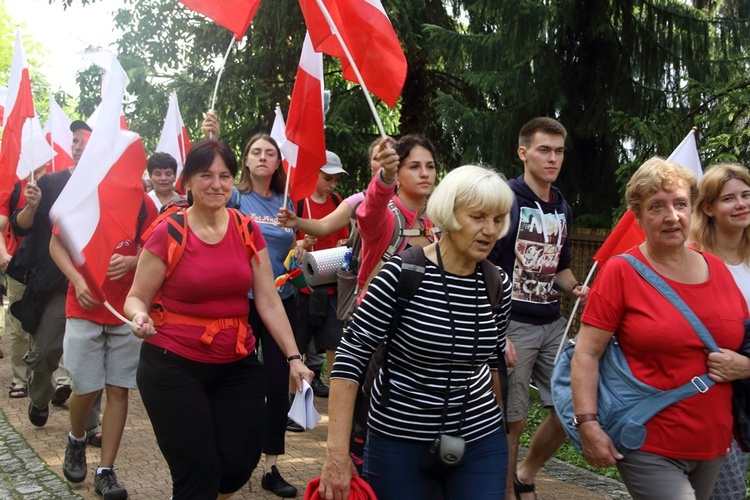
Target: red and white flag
<point>58,135</point>
<point>278,134</point>
<point>234,15</point>
<point>35,151</point>
<point>627,233</point>
<point>305,146</point>
<point>174,138</point>
<point>368,33</point>
<point>19,107</point>
<point>100,204</point>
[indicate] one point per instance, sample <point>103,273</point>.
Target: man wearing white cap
<point>317,320</point>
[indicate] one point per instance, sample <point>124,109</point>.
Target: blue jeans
<point>392,469</point>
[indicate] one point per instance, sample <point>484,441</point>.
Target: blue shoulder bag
<point>625,404</point>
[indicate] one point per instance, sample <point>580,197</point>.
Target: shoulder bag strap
<point>663,288</point>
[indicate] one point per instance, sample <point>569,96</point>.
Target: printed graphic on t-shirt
<point>538,246</point>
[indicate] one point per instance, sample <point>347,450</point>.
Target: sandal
<point>37,416</point>
<point>95,439</point>
<point>520,488</point>
<point>61,395</point>
<point>18,391</point>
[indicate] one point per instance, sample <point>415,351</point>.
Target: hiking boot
<point>274,482</point>
<point>319,388</point>
<point>105,483</point>
<point>293,426</point>
<point>74,466</point>
<point>61,395</point>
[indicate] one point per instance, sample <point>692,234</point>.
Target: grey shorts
<point>536,348</point>
<point>327,330</point>
<point>97,354</point>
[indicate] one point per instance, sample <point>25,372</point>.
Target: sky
<point>65,33</point>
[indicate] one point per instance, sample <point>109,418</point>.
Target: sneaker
<point>293,426</point>
<point>319,388</point>
<point>105,484</point>
<point>61,395</point>
<point>74,466</point>
<point>274,482</point>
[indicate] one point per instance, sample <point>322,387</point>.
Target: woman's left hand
<point>727,365</point>
<point>298,371</point>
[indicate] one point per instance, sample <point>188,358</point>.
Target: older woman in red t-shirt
<point>205,396</point>
<point>686,442</point>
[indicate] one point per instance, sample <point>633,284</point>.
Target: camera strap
<point>453,347</point>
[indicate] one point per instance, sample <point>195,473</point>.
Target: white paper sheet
<point>302,411</point>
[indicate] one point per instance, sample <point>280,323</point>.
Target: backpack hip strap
<point>161,316</point>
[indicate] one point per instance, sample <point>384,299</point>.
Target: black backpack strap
<point>15,197</point>
<point>300,207</point>
<point>412,272</point>
<point>336,199</point>
<point>142,216</point>
<point>493,282</point>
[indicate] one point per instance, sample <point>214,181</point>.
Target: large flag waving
<point>174,137</point>
<point>99,206</point>
<point>58,135</point>
<point>305,146</point>
<point>234,15</point>
<point>19,107</point>
<point>369,35</point>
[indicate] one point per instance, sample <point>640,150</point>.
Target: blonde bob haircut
<point>655,175</point>
<point>472,187</point>
<point>703,229</point>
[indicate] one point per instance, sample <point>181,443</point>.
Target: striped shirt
<point>425,357</point>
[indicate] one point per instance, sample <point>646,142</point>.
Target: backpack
<point>173,213</point>
<point>412,272</point>
<point>348,288</point>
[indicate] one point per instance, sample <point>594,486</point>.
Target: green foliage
<point>628,78</point>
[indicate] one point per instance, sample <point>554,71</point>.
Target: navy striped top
<point>421,354</point>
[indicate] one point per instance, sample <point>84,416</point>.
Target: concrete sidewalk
<point>31,459</point>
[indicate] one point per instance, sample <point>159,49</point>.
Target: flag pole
<point>120,316</point>
<point>218,78</point>
<point>573,313</point>
<point>349,57</point>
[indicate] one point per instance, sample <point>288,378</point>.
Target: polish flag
<point>100,204</point>
<point>278,134</point>
<point>58,135</point>
<point>369,35</point>
<point>35,151</point>
<point>627,233</point>
<point>234,15</point>
<point>19,107</point>
<point>305,146</point>
<point>174,138</point>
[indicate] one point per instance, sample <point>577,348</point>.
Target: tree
<point>628,78</point>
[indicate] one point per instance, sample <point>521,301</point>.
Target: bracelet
<point>292,358</point>
<point>586,417</point>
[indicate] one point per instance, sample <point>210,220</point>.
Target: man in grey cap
<point>318,329</point>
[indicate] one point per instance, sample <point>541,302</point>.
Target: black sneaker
<point>293,426</point>
<point>319,388</point>
<point>74,466</point>
<point>105,483</point>
<point>274,482</point>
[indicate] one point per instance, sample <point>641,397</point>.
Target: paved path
<point>31,459</point>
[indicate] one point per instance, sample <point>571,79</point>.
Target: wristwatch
<point>586,417</point>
